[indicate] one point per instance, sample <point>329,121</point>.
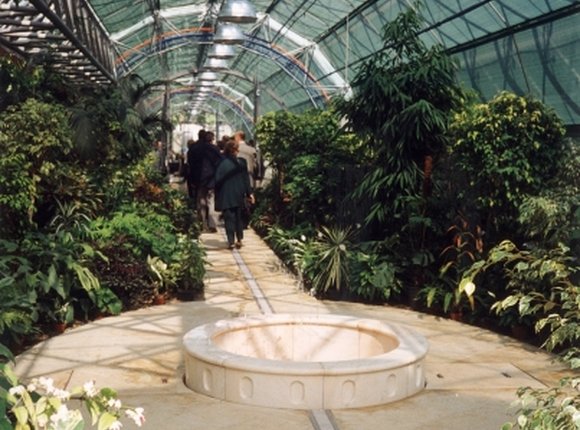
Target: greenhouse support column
<point>256,100</point>
<point>165,119</point>
<point>217,124</point>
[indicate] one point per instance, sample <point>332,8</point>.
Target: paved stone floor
<point>472,374</point>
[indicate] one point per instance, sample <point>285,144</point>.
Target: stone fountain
<point>305,361</point>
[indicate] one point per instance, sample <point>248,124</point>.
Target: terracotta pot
<point>59,327</point>
<point>456,315</point>
<point>159,299</point>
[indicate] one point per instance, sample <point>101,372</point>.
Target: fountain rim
<point>412,347</point>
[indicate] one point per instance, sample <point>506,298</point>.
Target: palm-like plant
<point>402,104</point>
<point>121,112</point>
<point>331,268</point>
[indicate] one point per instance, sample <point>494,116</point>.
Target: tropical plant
<point>105,301</point>
<point>139,228</point>
<point>121,110</point>
<point>553,215</point>
<point>403,100</point>
<point>528,287</point>
<point>506,149</point>
<point>563,323</point>
<point>374,273</point>
<point>18,310</point>
<point>188,270</point>
<point>330,269</point>
<point>35,142</point>
<point>309,156</point>
<point>466,248</point>
<point>59,272</point>
<point>160,274</point>
<point>556,408</point>
<point>32,77</point>
<point>125,274</point>
<point>72,217</point>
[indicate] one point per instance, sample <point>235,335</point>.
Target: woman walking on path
<point>232,188</point>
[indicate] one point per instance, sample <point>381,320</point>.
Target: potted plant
<point>188,271</point>
<point>159,273</point>
<point>61,315</point>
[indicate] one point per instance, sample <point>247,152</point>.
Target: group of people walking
<point>222,181</point>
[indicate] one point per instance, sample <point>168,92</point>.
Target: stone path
<point>472,374</point>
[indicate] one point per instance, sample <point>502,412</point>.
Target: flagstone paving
<point>472,374</point>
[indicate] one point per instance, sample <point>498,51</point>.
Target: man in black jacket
<point>203,158</point>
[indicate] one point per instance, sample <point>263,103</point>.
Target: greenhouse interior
<point>299,214</point>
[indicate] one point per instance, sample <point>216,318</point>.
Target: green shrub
<point>533,287</point>
<point>35,142</point>
<point>373,275</point>
<point>553,215</point>
<point>308,155</point>
<point>125,274</point>
<point>506,149</point>
<point>140,229</point>
<point>18,311</point>
<point>556,408</point>
<point>188,270</point>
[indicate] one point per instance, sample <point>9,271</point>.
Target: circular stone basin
<point>305,361</point>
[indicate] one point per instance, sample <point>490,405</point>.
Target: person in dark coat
<point>232,190</point>
<point>203,158</point>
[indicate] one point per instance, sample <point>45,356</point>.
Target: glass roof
<point>301,53</point>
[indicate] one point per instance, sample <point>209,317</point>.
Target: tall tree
<point>402,105</point>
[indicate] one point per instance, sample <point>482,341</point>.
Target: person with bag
<point>232,186</point>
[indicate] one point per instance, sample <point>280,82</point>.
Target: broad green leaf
<point>21,414</point>
<point>106,420</point>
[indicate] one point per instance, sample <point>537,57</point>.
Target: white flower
<point>61,415</point>
<point>303,238</point>
<point>136,415</point>
<point>47,384</point>
<point>61,394</point>
<point>116,425</point>
<point>89,388</point>
<point>114,403</point>
<point>17,391</point>
<point>31,387</point>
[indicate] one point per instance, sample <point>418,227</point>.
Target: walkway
<point>472,374</point>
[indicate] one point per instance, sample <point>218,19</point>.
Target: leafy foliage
<point>374,273</point>
<point>36,143</point>
<point>402,104</point>
<point>139,229</point>
<point>553,215</point>
<point>310,159</point>
<point>39,405</point>
<point>534,287</point>
<point>556,408</point>
<point>31,78</point>
<point>188,270</point>
<point>331,267</point>
<point>112,123</point>
<point>506,148</point>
